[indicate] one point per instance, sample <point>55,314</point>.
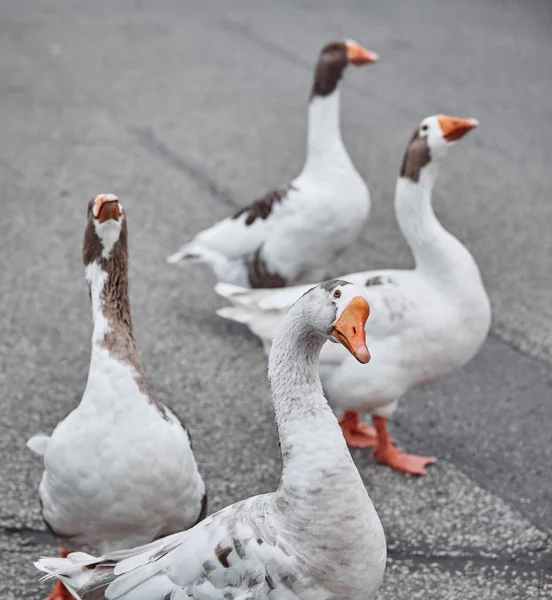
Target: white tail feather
<point>230,291</point>
<point>194,253</point>
<point>233,313</point>
<point>189,253</point>
<point>38,443</point>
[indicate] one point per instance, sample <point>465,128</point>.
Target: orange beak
<point>349,330</point>
<point>455,128</point>
<point>357,55</point>
<point>107,207</point>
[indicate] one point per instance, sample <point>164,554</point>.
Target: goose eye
<point>337,294</point>
<point>425,127</point>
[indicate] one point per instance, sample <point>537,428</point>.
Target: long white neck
<point>310,437</point>
<point>436,252</point>
<point>323,511</point>
<point>324,143</point>
<point>97,278</point>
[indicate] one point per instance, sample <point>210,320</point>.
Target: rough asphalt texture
<point>189,109</point>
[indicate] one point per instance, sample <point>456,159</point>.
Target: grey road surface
<point>188,109</point>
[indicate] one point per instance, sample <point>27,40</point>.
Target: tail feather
<point>246,309</point>
<point>190,253</point>
<point>233,313</point>
<point>38,443</point>
<point>151,583</point>
<point>223,267</point>
<point>76,572</point>
<point>240,296</point>
<point>116,574</point>
<point>230,291</point>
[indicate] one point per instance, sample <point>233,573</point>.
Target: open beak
<point>455,128</point>
<point>357,55</point>
<point>349,329</point>
<point>107,207</point>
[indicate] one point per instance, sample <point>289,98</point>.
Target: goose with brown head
<point>334,59</point>
<point>290,234</point>
<point>119,469</point>
<point>105,258</point>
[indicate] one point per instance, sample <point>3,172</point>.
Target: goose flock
<point>120,476</point>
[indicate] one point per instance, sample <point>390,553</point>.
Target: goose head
<point>332,62</point>
<point>338,311</point>
<point>431,141</point>
<point>105,230</point>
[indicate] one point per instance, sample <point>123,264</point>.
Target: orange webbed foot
<point>357,434</point>
<point>407,463</point>
<point>387,454</point>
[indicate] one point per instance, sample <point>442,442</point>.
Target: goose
<point>427,322</point>
<point>290,234</point>
<point>119,469</point>
<point>317,537</point>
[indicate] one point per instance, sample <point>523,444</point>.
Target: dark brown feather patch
<point>377,280</point>
<point>259,275</point>
<point>262,207</point>
<point>329,69</point>
<point>203,509</point>
<point>416,157</point>
<point>222,555</point>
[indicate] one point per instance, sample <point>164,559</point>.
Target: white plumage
<point>290,235</point>
<point>119,469</point>
<point>317,537</point>
<point>425,322</point>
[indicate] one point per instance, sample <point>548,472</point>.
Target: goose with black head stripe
<point>119,469</point>
<point>318,537</point>
<point>290,234</point>
<point>426,322</point>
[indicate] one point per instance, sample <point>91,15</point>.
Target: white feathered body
<point>119,469</point>
<point>319,215</point>
<point>260,548</point>
<point>416,334</point>
<point>318,537</point>
<point>424,323</point>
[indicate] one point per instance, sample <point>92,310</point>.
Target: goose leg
<point>357,434</point>
<point>387,454</point>
<point>60,592</point>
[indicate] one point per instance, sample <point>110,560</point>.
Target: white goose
<point>289,235</point>
<point>427,322</point>
<point>317,537</point>
<point>119,469</point>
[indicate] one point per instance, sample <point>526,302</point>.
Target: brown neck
<point>119,340</point>
<point>115,296</point>
<point>107,278</point>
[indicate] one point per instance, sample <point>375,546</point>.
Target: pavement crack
<point>148,140</point>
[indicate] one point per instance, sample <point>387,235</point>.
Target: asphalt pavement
<point>189,109</point>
